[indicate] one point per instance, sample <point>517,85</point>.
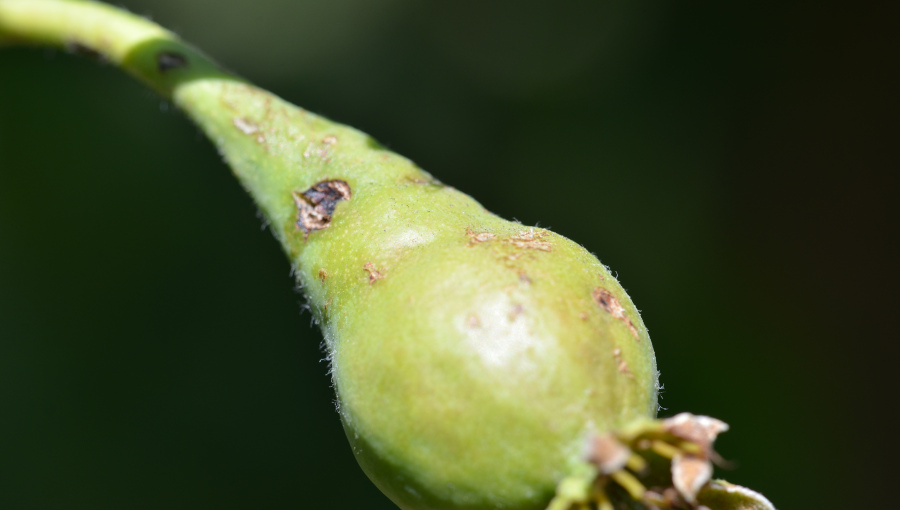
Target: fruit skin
<point>464,385</point>
<point>473,358</point>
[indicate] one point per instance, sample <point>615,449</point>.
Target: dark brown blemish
<point>316,205</point>
<point>374,274</point>
<point>323,274</point>
<point>612,305</point>
<point>168,60</point>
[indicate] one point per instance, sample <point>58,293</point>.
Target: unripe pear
<point>473,358</point>
<point>478,363</point>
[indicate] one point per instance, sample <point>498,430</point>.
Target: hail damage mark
<point>322,150</point>
<point>531,240</point>
<point>249,128</point>
<point>246,126</point>
<point>621,364</point>
<point>316,205</point>
<point>478,237</point>
<point>168,60</point>
<point>374,274</point>
<point>612,305</point>
<point>526,239</point>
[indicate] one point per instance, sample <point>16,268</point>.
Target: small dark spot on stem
<point>77,48</point>
<point>168,60</point>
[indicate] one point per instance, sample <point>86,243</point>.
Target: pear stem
<point>152,54</point>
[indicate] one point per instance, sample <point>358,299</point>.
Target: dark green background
<point>731,162</point>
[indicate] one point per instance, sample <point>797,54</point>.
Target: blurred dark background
<point>732,163</point>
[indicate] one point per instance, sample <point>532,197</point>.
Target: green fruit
<point>478,363</point>
<point>473,358</point>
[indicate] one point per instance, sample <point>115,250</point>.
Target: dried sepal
<point>689,474</point>
<point>721,495</point>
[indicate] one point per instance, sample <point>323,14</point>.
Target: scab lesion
<point>316,205</point>
<point>613,306</point>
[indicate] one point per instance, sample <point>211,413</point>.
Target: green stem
<point>142,48</point>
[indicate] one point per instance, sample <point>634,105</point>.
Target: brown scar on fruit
<point>531,240</point>
<point>316,205</point>
<point>515,312</point>
<point>612,305</point>
<point>583,316</point>
<point>621,364</point>
<point>323,274</point>
<point>248,127</point>
<point>323,151</point>
<point>421,180</point>
<point>374,274</point>
<point>478,237</point>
